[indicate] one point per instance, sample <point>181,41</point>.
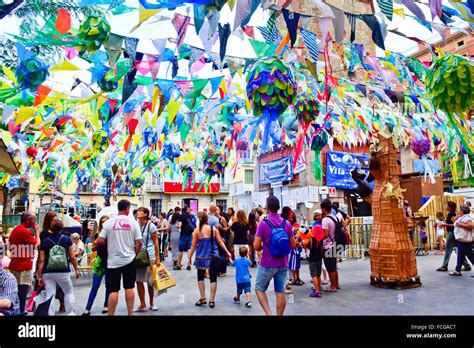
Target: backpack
<point>340,237</point>
<point>57,260</point>
<point>279,244</point>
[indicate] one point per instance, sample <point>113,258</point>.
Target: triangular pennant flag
<point>180,23</point>
<point>63,21</point>
<point>253,8</point>
<point>312,43</point>
<point>184,131</point>
<point>65,66</point>
<point>249,31</point>
<point>199,17</point>
<point>291,20</point>
<point>386,6</point>
<point>224,33</point>
<point>262,49</point>
<point>143,15</point>
<point>41,94</point>
<point>215,83</point>
<point>172,108</point>
<point>113,47</point>
<point>183,86</point>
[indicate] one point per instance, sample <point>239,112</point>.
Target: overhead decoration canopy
<point>115,91</point>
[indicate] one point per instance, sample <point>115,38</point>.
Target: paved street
<point>440,294</point>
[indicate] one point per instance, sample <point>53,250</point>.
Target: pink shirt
<point>329,225</point>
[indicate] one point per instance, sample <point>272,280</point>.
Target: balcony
<point>154,187</point>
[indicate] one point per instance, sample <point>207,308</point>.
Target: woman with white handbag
<point>463,228</point>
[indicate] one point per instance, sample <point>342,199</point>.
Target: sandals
<point>442,269</point>
<point>201,302</point>
<point>212,304</point>
<point>188,268</point>
<point>298,282</point>
<point>456,274</point>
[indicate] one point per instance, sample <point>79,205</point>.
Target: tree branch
<point>9,8</point>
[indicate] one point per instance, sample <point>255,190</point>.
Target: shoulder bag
<point>218,263</point>
<point>143,259</point>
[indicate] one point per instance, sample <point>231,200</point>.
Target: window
<point>460,43</point>
<point>221,179</point>
<point>222,203</point>
<point>248,176</point>
<point>156,206</point>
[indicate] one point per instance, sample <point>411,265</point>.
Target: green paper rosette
<point>94,31</point>
<point>450,81</point>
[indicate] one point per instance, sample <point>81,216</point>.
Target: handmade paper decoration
<point>450,81</point>
<point>32,151</point>
<point>422,147</point>
<point>82,176</point>
<point>137,179</point>
<point>50,174</point>
<point>150,159</point>
<point>318,142</point>
<point>149,136</point>
<point>107,85</point>
<point>94,31</point>
<point>4,178</point>
<point>100,141</point>
<point>271,88</point>
<point>307,110</point>
<point>31,73</point>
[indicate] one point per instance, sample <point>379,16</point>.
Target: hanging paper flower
<point>94,31</point>
<point>31,73</point>
<point>242,145</point>
<point>32,151</point>
<point>170,150</point>
<point>82,176</point>
<point>421,146</point>
<point>271,85</point>
<point>150,159</point>
<point>450,81</point>
<point>149,136</point>
<point>307,107</point>
<point>50,174</point>
<point>214,161</point>
<point>100,141</point>
<point>137,178</point>
<point>107,85</point>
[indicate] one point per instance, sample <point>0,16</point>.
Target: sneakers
<point>248,304</point>
<point>236,300</point>
<point>315,294</point>
<point>153,308</point>
<point>466,269</point>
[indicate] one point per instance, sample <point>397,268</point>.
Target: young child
<point>294,262</point>
<point>242,276</point>
<point>424,238</point>
<point>440,232</point>
<point>315,245</point>
<point>318,218</point>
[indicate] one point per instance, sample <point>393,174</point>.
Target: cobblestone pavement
<point>439,294</point>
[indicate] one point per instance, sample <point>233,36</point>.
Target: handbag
<point>218,263</point>
<point>143,259</point>
<point>462,235</point>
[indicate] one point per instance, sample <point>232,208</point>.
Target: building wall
<point>458,43</point>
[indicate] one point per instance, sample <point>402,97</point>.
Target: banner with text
<point>277,171</point>
<point>339,166</point>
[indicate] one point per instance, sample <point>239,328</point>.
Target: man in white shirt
<point>124,241</point>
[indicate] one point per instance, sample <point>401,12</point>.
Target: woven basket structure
<point>392,255</point>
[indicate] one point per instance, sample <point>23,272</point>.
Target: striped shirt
<point>9,291</point>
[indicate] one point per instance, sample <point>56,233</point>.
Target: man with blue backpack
<point>275,237</point>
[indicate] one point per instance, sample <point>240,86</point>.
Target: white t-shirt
<point>121,232</point>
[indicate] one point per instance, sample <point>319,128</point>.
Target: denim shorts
<point>185,241</point>
<point>244,288</point>
<point>265,275</point>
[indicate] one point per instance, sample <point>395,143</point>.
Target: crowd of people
<point>126,245</point>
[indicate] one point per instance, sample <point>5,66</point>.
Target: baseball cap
<point>318,211</point>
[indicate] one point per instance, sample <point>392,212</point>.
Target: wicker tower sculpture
<point>392,255</point>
